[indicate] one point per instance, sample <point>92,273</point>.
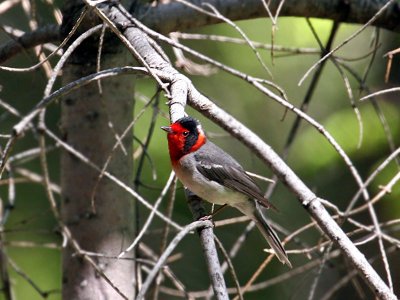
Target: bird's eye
<point>185,133</point>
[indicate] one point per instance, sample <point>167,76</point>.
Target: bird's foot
<point>208,218</point>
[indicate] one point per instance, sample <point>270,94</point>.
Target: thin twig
<point>171,247</point>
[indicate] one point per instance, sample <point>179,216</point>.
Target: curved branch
<point>162,260</point>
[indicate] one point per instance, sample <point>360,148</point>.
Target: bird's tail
<point>271,237</point>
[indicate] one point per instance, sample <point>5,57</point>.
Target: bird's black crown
<point>192,125</point>
<point>189,123</point>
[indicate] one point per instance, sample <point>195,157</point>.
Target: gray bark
<point>176,16</point>
<point>85,126</point>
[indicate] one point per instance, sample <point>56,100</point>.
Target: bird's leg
<point>219,209</point>
<point>210,216</point>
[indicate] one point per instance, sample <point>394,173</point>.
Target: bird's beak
<point>167,129</point>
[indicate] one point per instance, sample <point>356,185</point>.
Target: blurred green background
<point>31,234</point>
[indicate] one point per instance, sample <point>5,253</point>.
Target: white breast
<point>208,190</point>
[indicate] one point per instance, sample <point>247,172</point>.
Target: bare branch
<point>160,263</point>
<point>178,16</point>
<point>46,34</point>
<point>209,249</point>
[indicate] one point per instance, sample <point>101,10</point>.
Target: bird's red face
<point>184,136</point>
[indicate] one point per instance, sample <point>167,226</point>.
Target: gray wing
<point>228,172</point>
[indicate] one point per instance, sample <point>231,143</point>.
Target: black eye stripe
<point>190,140</point>
<point>190,133</point>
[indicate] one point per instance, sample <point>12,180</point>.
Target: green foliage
<point>314,153</point>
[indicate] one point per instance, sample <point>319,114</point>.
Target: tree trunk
<point>86,115</point>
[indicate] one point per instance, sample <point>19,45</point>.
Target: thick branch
<point>46,34</point>
<point>177,16</point>
<point>210,251</point>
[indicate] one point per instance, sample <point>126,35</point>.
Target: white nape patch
<point>200,129</point>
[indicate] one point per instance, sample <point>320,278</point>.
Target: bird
<point>215,176</point>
